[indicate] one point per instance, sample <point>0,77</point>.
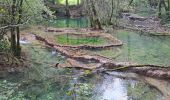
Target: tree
<point>161,4</point>
<point>92,13</point>
<point>67,9</point>
<point>18,13</point>
<point>78,2</point>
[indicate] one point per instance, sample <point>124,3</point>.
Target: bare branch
<point>4,27</point>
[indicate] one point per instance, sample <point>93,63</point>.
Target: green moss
<point>71,40</point>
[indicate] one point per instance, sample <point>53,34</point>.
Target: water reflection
<point>112,89</point>
<point>43,82</point>
<point>120,87</point>
<point>144,49</point>
<point>72,23</point>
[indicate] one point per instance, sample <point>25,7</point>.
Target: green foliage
<point>4,45</point>
<point>70,40</point>
<point>31,10</point>
<point>141,92</point>
<point>9,91</point>
<point>81,90</point>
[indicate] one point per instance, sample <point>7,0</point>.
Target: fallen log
<point>155,71</point>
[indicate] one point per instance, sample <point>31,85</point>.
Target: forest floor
<point>75,11</point>
<point>151,25</point>
<point>9,63</point>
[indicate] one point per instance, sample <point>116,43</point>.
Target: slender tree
<point>67,8</point>
<point>13,35</point>
<point>18,13</point>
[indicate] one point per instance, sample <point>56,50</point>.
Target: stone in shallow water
<point>24,42</point>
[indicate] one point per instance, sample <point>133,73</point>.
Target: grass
<point>71,40</point>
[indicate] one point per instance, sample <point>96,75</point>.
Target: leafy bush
<point>4,45</point>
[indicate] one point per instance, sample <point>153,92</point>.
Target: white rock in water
<point>24,42</point>
<point>53,52</point>
<point>4,81</point>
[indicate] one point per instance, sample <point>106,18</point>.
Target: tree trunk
<point>78,2</point>
<point>162,2</point>
<point>53,2</point>
<point>96,21</point>
<point>13,36</point>
<point>168,7</point>
<point>110,19</point>
<point>18,29</point>
<point>67,9</point>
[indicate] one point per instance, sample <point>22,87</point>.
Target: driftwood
<point>105,64</point>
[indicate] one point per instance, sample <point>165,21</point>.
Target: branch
<point>4,27</point>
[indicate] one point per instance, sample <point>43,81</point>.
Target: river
<point>41,81</point>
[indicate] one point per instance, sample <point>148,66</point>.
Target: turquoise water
<point>140,48</point>
<point>42,81</point>
<point>71,23</point>
<point>144,49</point>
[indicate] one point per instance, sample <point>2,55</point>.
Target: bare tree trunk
<point>18,29</point>
<point>96,21</point>
<point>13,36</point>
<point>110,19</point>
<point>78,2</point>
<point>67,9</point>
<point>168,7</point>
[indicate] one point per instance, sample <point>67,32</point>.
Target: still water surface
<point>42,82</point>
